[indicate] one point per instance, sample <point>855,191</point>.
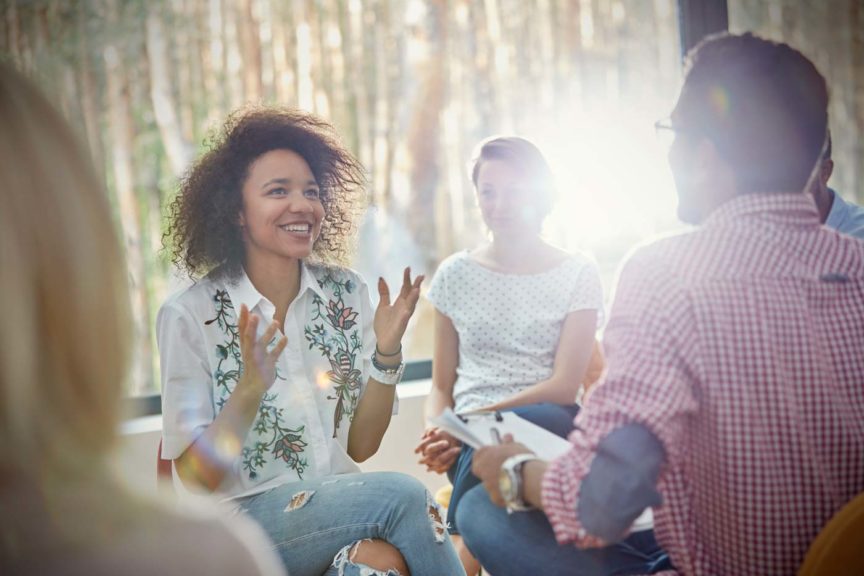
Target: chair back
<point>839,547</point>
<point>163,467</point>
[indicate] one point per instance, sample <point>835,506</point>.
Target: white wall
<point>135,459</point>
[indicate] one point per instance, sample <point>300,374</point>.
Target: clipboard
<point>477,429</point>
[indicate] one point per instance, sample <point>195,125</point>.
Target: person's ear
<point>712,172</point>
<point>706,161</point>
<point>711,161</point>
<point>826,170</point>
<point>705,157</point>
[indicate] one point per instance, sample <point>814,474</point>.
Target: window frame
<point>696,19</point>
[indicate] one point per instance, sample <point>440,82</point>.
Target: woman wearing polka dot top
<point>515,318</point>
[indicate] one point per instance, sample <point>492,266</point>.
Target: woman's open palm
<point>259,364</point>
<point>391,319</point>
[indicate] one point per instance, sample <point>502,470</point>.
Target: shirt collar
<point>838,213</point>
<point>242,291</point>
<point>791,209</point>
<point>308,281</point>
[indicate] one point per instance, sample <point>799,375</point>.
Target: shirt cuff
<point>560,496</point>
<point>621,482</point>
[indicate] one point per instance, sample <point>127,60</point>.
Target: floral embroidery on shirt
<point>226,379</point>
<point>285,443</point>
<point>336,340</point>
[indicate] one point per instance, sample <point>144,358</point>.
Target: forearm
<point>554,390</point>
<point>206,462</point>
<point>371,419</point>
<point>445,363</point>
<point>436,402</point>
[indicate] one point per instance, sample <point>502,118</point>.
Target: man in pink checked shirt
<point>734,401</point>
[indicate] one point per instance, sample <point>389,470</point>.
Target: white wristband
<point>390,377</point>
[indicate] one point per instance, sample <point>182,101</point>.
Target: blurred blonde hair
<point>64,344</point>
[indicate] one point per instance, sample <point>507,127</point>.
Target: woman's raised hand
<point>259,364</point>
<point>391,319</point>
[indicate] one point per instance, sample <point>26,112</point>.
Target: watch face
<point>505,485</point>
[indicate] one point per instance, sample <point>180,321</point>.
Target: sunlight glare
<point>322,379</point>
<point>614,182</point>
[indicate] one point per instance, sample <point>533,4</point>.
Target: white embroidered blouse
<point>301,430</point>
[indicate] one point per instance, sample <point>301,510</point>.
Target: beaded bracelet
<point>379,353</point>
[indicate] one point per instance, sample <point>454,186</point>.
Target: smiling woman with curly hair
<point>203,224</point>
<point>273,414</point>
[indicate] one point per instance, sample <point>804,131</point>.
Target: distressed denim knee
<point>344,564</point>
<point>406,494</point>
<point>316,525</point>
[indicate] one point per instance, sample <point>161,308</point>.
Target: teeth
<point>296,227</point>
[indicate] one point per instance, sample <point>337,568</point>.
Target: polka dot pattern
<point>509,324</point>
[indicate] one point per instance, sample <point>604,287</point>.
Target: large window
<point>411,85</point>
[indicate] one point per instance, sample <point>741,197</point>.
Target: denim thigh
<point>311,522</point>
<point>524,543</point>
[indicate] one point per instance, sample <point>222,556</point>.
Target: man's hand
<point>438,450</point>
<point>488,461</point>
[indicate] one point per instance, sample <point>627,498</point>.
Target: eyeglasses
<point>666,130</point>
<point>664,125</point>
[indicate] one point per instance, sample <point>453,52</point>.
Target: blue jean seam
<point>329,530</point>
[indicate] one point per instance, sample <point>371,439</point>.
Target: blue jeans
<point>553,417</point>
<point>315,523</point>
<point>523,543</point>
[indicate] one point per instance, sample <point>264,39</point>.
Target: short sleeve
<point>437,293</point>
<point>588,291</point>
<point>187,393</point>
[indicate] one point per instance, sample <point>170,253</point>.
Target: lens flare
<point>719,99</point>
<point>322,379</point>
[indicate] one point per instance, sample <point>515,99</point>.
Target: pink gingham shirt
<point>741,347</point>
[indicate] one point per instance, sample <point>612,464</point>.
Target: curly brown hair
<point>203,233</point>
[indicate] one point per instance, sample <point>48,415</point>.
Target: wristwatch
<point>510,483</point>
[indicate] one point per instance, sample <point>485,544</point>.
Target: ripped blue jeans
<point>315,524</point>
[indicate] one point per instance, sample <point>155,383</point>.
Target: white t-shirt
<point>509,325</point>
<point>301,429</point>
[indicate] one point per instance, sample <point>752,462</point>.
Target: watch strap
<point>513,467</point>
